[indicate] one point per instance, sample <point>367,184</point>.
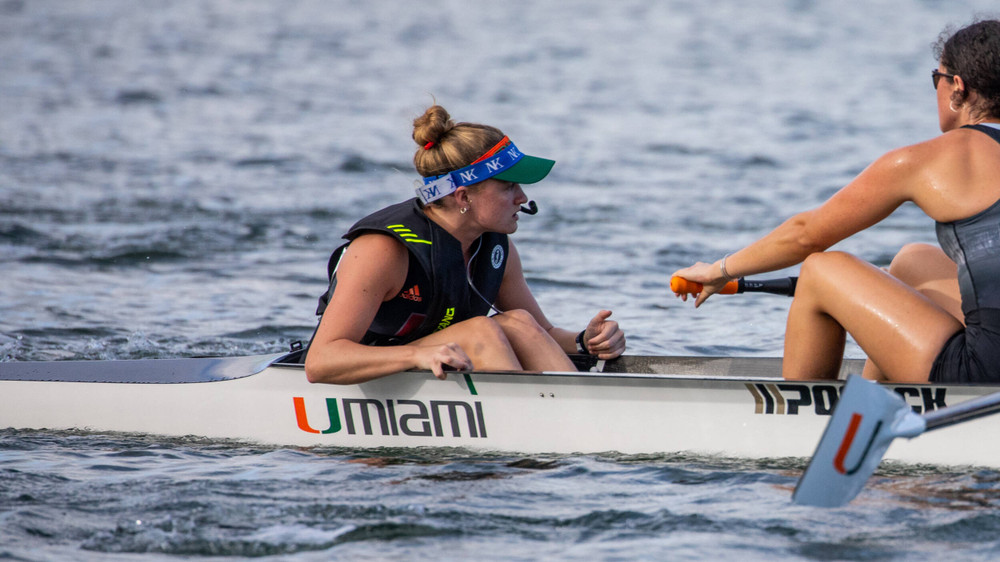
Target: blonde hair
<point>445,146</point>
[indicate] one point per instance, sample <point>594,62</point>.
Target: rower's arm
<point>371,272</point>
<point>873,195</point>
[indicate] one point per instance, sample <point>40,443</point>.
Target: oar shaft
<point>964,411</point>
<point>784,286</point>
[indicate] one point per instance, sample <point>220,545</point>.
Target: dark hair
<point>973,52</point>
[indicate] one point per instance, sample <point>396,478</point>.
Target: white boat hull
<point>681,405</point>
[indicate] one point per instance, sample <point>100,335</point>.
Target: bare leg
<point>901,330</point>
<point>814,340</point>
<point>535,348</point>
<point>931,272</point>
<point>482,339</point>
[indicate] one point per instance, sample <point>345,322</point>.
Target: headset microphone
<point>531,209</point>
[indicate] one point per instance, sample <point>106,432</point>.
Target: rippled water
<point>174,175</point>
<point>85,497</point>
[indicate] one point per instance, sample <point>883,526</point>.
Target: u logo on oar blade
<point>845,445</point>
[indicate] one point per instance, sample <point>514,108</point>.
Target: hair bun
<point>431,126</point>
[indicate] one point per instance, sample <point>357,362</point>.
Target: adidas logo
<point>412,294</point>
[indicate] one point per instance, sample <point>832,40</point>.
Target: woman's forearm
<point>787,245</point>
<point>347,362</point>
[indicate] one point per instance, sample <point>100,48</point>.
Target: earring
<point>951,105</point>
<point>464,210</point>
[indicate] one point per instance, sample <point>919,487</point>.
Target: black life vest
<point>437,293</point>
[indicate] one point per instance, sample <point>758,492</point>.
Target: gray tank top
<point>974,244</point>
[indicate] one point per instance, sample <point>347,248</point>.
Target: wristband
<point>581,346</point>
<point>722,267</point>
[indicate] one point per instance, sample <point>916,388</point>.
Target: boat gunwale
<point>228,368</point>
<point>119,371</point>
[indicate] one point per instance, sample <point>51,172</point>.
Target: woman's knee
<point>822,266</point>
<point>518,318</point>
<point>485,328</point>
<point>826,274</point>
<point>520,323</point>
<point>913,261</point>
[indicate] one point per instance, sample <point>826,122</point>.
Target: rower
<point>434,282</point>
<point>935,314</point>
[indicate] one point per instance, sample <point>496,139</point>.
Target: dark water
<point>77,496</point>
<point>173,176</point>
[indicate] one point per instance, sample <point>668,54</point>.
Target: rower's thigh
<point>469,334</point>
<point>899,329</point>
<point>930,271</point>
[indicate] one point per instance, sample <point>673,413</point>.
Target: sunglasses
<point>936,76</point>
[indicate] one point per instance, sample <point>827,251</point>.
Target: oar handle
<point>680,286</point>
<point>784,286</point>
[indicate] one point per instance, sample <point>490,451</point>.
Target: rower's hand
<point>439,358</point>
<point>603,337</point>
<point>708,274</point>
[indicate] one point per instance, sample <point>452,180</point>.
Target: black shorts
<point>972,355</point>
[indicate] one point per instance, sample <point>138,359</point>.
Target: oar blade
<point>864,423</point>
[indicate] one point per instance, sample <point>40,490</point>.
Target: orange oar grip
<point>681,285</point>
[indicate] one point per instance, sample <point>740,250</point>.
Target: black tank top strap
<point>991,131</point>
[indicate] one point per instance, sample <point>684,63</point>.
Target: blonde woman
<point>417,282</point>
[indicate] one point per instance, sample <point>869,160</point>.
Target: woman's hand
<point>439,358</point>
<point>603,337</point>
<point>708,274</point>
